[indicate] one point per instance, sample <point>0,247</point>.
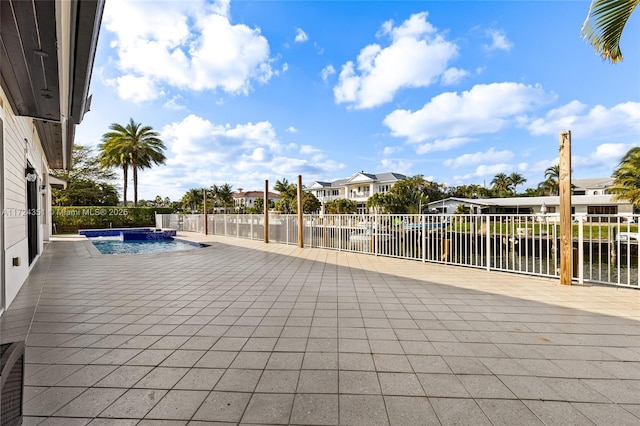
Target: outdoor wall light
<point>30,174</point>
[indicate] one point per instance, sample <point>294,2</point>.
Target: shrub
<point>67,220</point>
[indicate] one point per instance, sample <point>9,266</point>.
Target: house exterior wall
<point>359,188</point>
<point>20,148</point>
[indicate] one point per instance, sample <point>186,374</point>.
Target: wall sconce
<point>43,189</point>
<point>30,174</point>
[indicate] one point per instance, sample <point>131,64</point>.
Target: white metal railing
<point>605,248</point>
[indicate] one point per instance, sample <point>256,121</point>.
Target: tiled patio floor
<point>243,332</point>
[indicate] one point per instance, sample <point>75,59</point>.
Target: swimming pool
<point>111,246</point>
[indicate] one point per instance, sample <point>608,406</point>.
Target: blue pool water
<point>107,246</point>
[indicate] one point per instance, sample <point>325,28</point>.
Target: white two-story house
<point>358,188</point>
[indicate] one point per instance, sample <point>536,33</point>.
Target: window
<point>602,209</point>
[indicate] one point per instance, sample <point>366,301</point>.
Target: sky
<point>457,91</point>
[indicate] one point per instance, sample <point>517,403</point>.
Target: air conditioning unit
<point>11,383</point>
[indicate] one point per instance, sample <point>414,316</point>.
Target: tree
<point>193,200</point>
<point>604,26</point>
<point>222,196</point>
<point>342,206</point>
<point>516,179</point>
<point>288,192</point>
<point>374,203</point>
<point>551,183</point>
<point>410,195</point>
<point>133,145</point>
<point>310,204</point>
<point>88,183</point>
<point>501,185</point>
<point>258,206</point>
<point>626,178</point>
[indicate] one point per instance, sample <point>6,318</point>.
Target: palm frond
<point>604,25</point>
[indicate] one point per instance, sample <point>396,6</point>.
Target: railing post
<point>424,238</point>
<point>266,211</point>
<point>581,250</point>
<point>488,242</point>
<point>300,214</point>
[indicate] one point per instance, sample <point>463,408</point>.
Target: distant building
<point>580,204</point>
<point>592,186</point>
<point>358,188</point>
<point>247,199</point>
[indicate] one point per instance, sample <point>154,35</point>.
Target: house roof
<point>592,183</point>
<point>359,177</point>
<point>553,200</point>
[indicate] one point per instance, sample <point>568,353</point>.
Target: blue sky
<point>244,91</point>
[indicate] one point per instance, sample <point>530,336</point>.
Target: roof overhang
<point>47,48</point>
<point>56,182</point>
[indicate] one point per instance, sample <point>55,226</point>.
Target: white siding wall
<point>17,154</point>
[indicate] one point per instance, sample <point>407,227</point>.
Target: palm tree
<point>501,184</point>
<point>551,180</point>
<point>192,200</point>
<point>222,195</point>
<point>132,145</point>
<point>288,193</point>
<point>516,179</point>
<point>626,178</point>
<point>604,26</point>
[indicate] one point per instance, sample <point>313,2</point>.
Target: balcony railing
<point>605,248</point>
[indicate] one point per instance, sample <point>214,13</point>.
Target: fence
<point>605,248</point>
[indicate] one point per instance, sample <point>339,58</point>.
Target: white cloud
<point>479,157</point>
<point>174,103</point>
<point>327,71</point>
<point>485,171</point>
<point>291,129</point>
<point>416,57</point>
<point>178,45</point>
<point>621,119</point>
<point>499,41</point>
<point>612,151</point>
<point>201,153</point>
<point>390,150</point>
<point>485,108</point>
<point>301,36</point>
<point>308,149</point>
<point>453,75</point>
<point>442,145</point>
<point>135,89</point>
<point>399,166</point>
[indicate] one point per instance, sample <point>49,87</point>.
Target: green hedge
<point>68,220</point>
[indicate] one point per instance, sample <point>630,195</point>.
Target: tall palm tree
<point>552,179</point>
<point>604,26</point>
<point>501,184</point>
<point>516,179</point>
<point>132,145</point>
<point>626,178</point>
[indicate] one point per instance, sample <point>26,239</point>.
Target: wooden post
<point>266,211</point>
<point>566,246</point>
<point>204,207</point>
<point>300,215</point>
